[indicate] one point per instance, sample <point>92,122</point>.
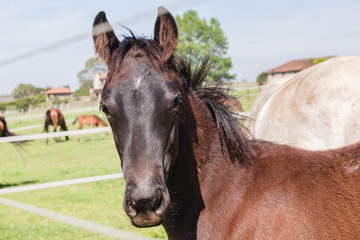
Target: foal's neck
<point>199,146</point>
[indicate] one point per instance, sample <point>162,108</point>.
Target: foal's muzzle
<point>146,207</point>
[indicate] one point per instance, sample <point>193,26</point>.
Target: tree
<point>319,60</point>
<point>86,76</point>
<point>24,90</point>
<point>197,38</point>
<point>261,78</point>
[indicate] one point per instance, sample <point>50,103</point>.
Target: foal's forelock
<point>134,47</point>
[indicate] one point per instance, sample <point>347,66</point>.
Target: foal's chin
<point>146,219</point>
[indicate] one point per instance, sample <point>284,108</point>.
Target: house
<point>292,67</point>
<point>6,99</point>
<point>99,82</point>
<point>59,92</point>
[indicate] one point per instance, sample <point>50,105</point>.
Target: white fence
<point>53,134</point>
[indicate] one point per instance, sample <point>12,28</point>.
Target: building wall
<point>98,83</point>
<point>59,96</point>
<point>279,76</point>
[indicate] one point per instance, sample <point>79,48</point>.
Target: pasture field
<point>16,224</point>
<point>99,202</point>
<point>39,163</point>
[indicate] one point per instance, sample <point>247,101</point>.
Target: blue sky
<point>261,34</point>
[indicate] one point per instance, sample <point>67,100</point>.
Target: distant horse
<point>316,109</point>
<point>92,120</point>
<point>4,131</point>
<point>56,118</point>
<point>188,165</point>
<point>233,104</point>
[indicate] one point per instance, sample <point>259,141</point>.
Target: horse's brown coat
<point>55,118</point>
<point>4,131</point>
<point>2,126</point>
<point>92,120</point>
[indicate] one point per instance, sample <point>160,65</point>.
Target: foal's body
<point>188,165</point>
<point>286,193</point>
<point>284,200</point>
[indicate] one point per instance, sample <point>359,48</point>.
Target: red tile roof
<point>6,99</point>
<point>294,65</point>
<point>59,90</point>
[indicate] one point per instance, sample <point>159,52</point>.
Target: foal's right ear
<point>166,32</point>
<point>104,37</point>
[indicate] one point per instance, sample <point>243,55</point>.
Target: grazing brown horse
<point>189,166</point>
<point>56,118</point>
<point>92,120</point>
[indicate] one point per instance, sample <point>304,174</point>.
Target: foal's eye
<point>104,109</point>
<point>176,102</point>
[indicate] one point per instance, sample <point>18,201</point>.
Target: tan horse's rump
<point>316,109</point>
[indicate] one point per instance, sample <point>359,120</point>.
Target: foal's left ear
<point>104,37</point>
<point>166,33</point>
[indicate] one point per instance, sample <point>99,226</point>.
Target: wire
<point>85,35</point>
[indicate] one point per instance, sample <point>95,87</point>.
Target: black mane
<point>232,134</point>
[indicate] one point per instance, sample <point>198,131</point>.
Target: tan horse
<point>56,118</point>
<point>92,120</point>
<point>316,109</point>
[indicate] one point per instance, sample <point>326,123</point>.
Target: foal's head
<point>141,99</point>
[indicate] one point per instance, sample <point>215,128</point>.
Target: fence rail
<point>53,134</point>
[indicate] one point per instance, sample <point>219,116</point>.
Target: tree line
<point>197,39</point>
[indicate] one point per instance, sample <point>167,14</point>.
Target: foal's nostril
<point>129,205</point>
<point>158,200</point>
<point>139,203</point>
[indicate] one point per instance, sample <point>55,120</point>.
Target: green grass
<point>245,97</point>
<point>58,161</point>
<point>16,224</point>
<point>99,202</point>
